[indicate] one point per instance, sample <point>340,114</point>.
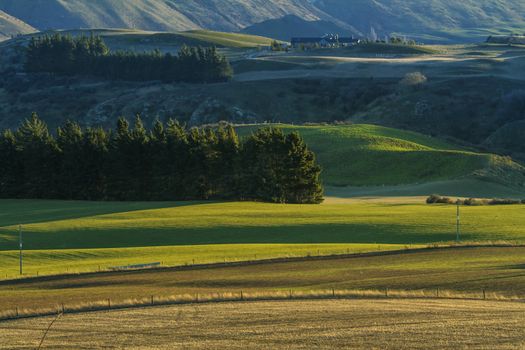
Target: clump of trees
<point>165,162</point>
<point>437,199</point>
<point>65,55</point>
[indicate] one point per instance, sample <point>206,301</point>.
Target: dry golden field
<point>321,324</point>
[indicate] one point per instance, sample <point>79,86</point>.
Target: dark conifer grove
<point>66,55</point>
<point>164,162</point>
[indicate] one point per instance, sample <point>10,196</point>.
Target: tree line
<point>165,162</point>
<point>65,55</point>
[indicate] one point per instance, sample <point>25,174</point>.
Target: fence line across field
<point>246,296</point>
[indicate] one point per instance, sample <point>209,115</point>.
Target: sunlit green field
<point>365,155</point>
<point>81,236</point>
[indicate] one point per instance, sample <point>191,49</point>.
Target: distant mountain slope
<point>229,15</point>
<point>292,26</point>
<point>438,20</point>
<point>10,25</point>
<point>431,20</point>
<point>68,14</point>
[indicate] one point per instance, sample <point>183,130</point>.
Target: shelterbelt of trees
<point>65,55</point>
<point>166,162</point>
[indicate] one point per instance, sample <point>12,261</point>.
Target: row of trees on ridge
<point>165,162</point>
<point>66,55</point>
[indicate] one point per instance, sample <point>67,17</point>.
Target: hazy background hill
<point>224,15</point>
<point>432,20</point>
<point>10,26</point>
<point>291,26</point>
<point>429,20</point>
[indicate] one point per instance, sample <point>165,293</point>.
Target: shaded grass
<point>263,223</point>
<point>392,49</point>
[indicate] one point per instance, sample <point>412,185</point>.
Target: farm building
<point>329,40</point>
<point>507,39</point>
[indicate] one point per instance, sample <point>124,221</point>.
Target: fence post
<point>333,292</point>
<point>291,294</point>
<point>386,292</point>
<point>197,297</point>
<point>63,308</point>
<point>109,303</point>
<point>242,296</point>
<point>484,295</point>
<point>437,292</point>
<point>152,300</point>
<point>17,314</point>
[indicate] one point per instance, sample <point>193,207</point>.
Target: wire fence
<point>246,296</point>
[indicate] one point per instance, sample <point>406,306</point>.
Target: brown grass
<point>242,296</point>
<point>302,324</point>
<point>463,270</point>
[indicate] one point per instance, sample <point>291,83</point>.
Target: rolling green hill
<point>10,26</point>
<point>368,155</point>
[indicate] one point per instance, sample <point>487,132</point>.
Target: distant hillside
<point>429,20</point>
<point>169,15</point>
<point>10,26</point>
<point>291,26</point>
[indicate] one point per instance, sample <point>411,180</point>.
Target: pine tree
<point>118,168</point>
<point>303,184</point>
<point>11,173</point>
<point>95,158</point>
<point>38,156</point>
<point>176,161</point>
<point>70,140</point>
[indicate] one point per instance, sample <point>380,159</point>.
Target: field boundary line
<point>243,296</point>
<point>282,260</point>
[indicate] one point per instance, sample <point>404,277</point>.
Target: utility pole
<point>457,220</point>
<point>21,246</point>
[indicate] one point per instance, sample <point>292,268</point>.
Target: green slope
<point>367,155</point>
<point>126,39</point>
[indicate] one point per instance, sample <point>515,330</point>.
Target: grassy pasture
<point>83,236</point>
<point>257,223</point>
<point>365,155</point>
<point>391,49</point>
<point>49,262</point>
<point>464,270</point>
<point>336,324</point>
